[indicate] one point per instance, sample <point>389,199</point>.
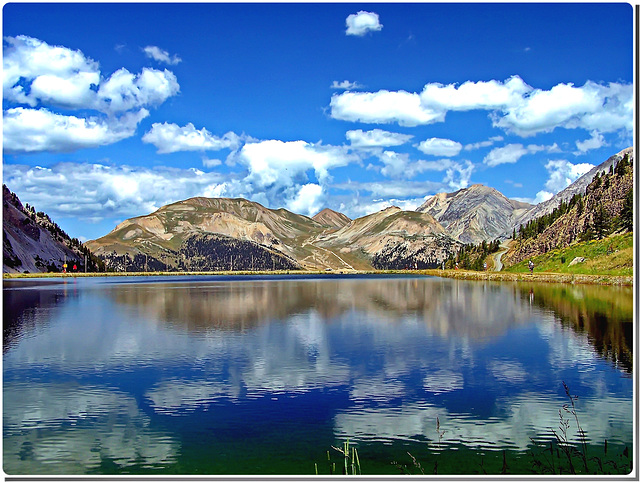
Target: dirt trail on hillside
<point>497,256</point>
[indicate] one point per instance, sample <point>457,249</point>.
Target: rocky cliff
<point>33,243</point>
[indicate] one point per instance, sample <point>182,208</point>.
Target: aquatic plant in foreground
<point>559,456</point>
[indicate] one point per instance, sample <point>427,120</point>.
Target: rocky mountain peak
<point>331,218</point>
<point>474,214</point>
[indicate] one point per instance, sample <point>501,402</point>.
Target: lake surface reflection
<point>261,375</point>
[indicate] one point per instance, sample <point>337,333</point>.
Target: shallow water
<point>262,375</point>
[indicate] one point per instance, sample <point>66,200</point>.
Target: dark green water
<point>262,375</point>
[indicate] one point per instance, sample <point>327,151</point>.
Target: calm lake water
<point>262,375</point>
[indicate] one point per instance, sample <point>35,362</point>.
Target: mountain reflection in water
<point>603,313</point>
<point>476,311</point>
<point>166,375</point>
<point>480,310</point>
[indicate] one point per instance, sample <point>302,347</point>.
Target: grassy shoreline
<point>540,277</point>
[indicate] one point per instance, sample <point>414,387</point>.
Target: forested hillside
<point>605,208</point>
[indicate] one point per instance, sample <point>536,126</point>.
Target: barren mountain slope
<point>329,217</point>
<point>474,214</point>
<point>407,237</point>
<point>163,233</point>
<point>208,234</point>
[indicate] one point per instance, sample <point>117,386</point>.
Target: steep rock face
<point>607,192</point>
<point>474,214</point>
<point>331,218</point>
<point>32,243</point>
<point>579,186</point>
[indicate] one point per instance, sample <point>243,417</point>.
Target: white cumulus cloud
<point>362,22</point>
<point>38,130</point>
<point>126,91</point>
<point>161,55</point>
<point>275,162</point>
<point>508,154</point>
<point>590,107</point>
<point>278,174</point>
<point>102,191</point>
<point>440,147</point>
<point>383,107</point>
<point>400,166</point>
<point>596,141</point>
<point>513,105</point>
<point>54,74</point>
<point>511,153</point>
<point>562,173</point>
<point>35,72</point>
<point>309,200</point>
<point>173,138</point>
<point>459,175</point>
<point>45,77</point>
<point>474,95</point>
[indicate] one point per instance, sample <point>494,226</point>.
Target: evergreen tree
<point>596,181</point>
<point>621,167</point>
<point>601,222</point>
<point>579,205</point>
<point>626,214</point>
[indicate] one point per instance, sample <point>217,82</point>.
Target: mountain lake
<point>263,375</point>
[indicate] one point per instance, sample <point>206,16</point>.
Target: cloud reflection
<point>527,415</point>
<point>400,352</point>
<point>70,429</point>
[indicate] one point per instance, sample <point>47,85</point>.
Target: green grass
<point>612,256</point>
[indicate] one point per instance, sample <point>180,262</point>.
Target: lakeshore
<point>542,277</point>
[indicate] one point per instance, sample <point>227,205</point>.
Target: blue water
<point>262,375</point>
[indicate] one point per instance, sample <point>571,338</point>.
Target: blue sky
<point>113,110</point>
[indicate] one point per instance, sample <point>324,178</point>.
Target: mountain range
<point>329,240</point>
<point>209,234</point>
